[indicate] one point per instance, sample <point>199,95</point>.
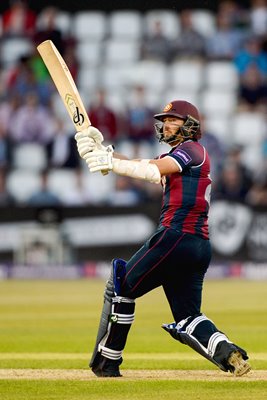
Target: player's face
<point>171,126</point>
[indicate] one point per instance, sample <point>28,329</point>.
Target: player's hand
<point>88,140</point>
<point>85,145</point>
<point>90,132</point>
<point>100,160</point>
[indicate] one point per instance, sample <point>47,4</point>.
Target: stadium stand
<point>108,51</point>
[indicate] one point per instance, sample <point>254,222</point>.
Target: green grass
<point>52,325</point>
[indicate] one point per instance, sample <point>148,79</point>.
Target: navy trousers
<point>177,262</point>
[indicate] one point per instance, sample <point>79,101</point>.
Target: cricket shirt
<point>186,194</point>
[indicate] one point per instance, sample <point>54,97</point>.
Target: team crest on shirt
<point>168,107</point>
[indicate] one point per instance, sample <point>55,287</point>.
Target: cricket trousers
<point>178,262</point>
<point>174,260</point>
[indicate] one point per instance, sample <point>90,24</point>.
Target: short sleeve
<point>187,154</point>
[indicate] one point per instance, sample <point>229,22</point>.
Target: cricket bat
<point>65,84</point>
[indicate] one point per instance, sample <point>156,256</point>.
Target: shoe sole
<point>106,374</point>
<point>241,366</point>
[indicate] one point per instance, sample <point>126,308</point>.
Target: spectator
<point>6,199</point>
<point>225,42</point>
<point>44,196</point>
<point>32,122</point>
<point>48,30</point>
<point>19,19</point>
<point>155,45</point>
<point>23,80</point>
<point>139,118</point>
<point>252,89</point>
<point>61,150</point>
<point>238,16</point>
<point>103,117</point>
<point>251,54</point>
<point>82,194</point>
<point>234,155</point>
<point>234,180</point>
<point>230,184</point>
<point>7,110</point>
<point>125,194</point>
<point>189,43</point>
<point>71,59</point>
<point>215,148</point>
<point>257,195</point>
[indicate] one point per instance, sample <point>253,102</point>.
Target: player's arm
<point>145,169</point>
<point>101,158</point>
<point>167,166</point>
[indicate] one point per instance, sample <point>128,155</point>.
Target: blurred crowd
<point>29,115</point>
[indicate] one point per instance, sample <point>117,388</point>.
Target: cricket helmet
<point>184,110</point>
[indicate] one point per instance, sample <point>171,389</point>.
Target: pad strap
<point>109,353</point>
<point>122,318</point>
<point>216,338</point>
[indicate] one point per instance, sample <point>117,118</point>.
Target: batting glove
<point>100,160</point>
<point>89,140</point>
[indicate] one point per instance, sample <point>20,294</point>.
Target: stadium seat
<point>153,98</point>
<point>204,21</point>
<point>146,69</point>
<point>63,21</point>
<point>22,184</point>
<point>169,21</point>
<point>249,125</point>
<point>253,159</point>
<point>214,101</point>
<point>116,99</point>
<point>180,94</point>
<point>117,76</point>
<point>104,185</point>
<point>89,25</point>
<point>11,49</point>
<point>62,181</point>
<point>126,24</point>
<point>120,51</point>
<point>221,74</point>
<point>29,156</point>
<point>89,53</point>
<point>219,127</point>
<point>187,75</point>
<point>87,79</point>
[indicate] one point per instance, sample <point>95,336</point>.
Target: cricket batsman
<point>176,256</point>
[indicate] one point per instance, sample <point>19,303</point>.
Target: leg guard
<point>116,318</point>
<point>201,334</point>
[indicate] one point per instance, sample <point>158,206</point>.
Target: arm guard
<point>137,169</point>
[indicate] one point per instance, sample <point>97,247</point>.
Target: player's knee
<point>121,283</point>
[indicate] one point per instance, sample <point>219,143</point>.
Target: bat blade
<point>65,84</point>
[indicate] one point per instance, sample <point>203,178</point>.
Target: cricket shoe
<point>106,368</point>
<point>238,365</point>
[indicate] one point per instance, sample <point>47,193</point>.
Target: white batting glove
<point>100,160</point>
<point>89,140</point>
<point>85,145</point>
<point>90,132</point>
